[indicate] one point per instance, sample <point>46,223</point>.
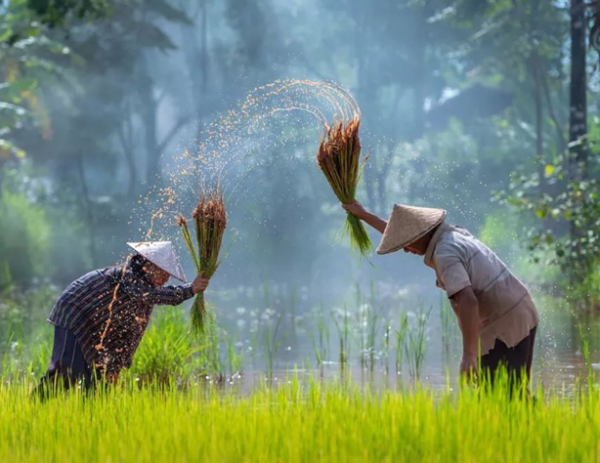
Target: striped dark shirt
<point>108,311</point>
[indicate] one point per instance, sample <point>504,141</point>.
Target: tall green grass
<point>301,421</point>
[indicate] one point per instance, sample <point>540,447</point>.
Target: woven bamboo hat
<point>407,224</point>
<point>162,254</point>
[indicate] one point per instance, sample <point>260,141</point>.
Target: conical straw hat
<point>407,224</point>
<point>162,254</point>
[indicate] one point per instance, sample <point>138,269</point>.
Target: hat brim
<point>176,273</point>
<point>393,240</point>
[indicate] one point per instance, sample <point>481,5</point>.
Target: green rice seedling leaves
<point>320,342</point>
<point>339,160</point>
<point>210,222</point>
<point>271,342</point>
<point>341,320</point>
<point>167,351</point>
<point>400,340</point>
<point>416,345</point>
<point>302,420</point>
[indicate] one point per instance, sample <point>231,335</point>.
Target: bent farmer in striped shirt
<point>495,312</point>
<point>99,319</point>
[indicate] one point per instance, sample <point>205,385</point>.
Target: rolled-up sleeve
<point>165,295</point>
<point>451,269</point>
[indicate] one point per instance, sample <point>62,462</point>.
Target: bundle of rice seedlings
<point>339,159</point>
<point>210,221</point>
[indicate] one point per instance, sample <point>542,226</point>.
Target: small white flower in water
<point>241,310</point>
<point>241,323</point>
<point>288,348</point>
<point>402,292</point>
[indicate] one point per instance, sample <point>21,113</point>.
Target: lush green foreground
<point>296,423</point>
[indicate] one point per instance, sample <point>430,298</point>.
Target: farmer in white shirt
<point>495,312</point>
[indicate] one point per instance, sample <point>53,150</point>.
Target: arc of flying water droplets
<point>226,142</point>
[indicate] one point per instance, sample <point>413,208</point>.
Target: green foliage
<point>564,212</point>
<point>500,233</point>
<point>26,233</point>
<point>585,292</point>
<point>58,12</point>
<point>25,338</point>
<point>27,55</point>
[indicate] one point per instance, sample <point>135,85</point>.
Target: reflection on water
<point>564,376</point>
<point>379,355</point>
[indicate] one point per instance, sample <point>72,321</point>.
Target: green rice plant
<point>341,320</point>
<point>302,420</point>
<point>167,351</point>
<point>210,220</point>
<point>416,343</point>
<point>233,356</point>
<point>339,160</point>
<point>210,348</point>
<point>369,329</point>
<point>400,340</point>
<point>271,343</point>
<point>368,326</point>
<point>447,322</point>
<point>585,351</point>
<point>320,342</point>
<point>385,357</point>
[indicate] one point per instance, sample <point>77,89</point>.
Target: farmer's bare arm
<point>359,211</point>
<point>467,311</point>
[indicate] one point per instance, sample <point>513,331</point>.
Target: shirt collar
<point>433,243</point>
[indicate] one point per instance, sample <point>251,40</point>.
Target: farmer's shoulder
<point>102,275</point>
<point>454,242</point>
<point>93,279</point>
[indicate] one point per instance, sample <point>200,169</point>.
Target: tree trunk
<point>126,138</point>
<point>198,60</point>
<point>2,163</point>
<point>535,69</point>
<point>578,153</point>
<point>560,136</point>
<point>149,116</point>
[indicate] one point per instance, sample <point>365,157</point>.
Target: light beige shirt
<point>506,310</point>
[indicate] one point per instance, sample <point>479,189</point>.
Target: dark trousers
<point>516,360</point>
<point>67,365</point>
